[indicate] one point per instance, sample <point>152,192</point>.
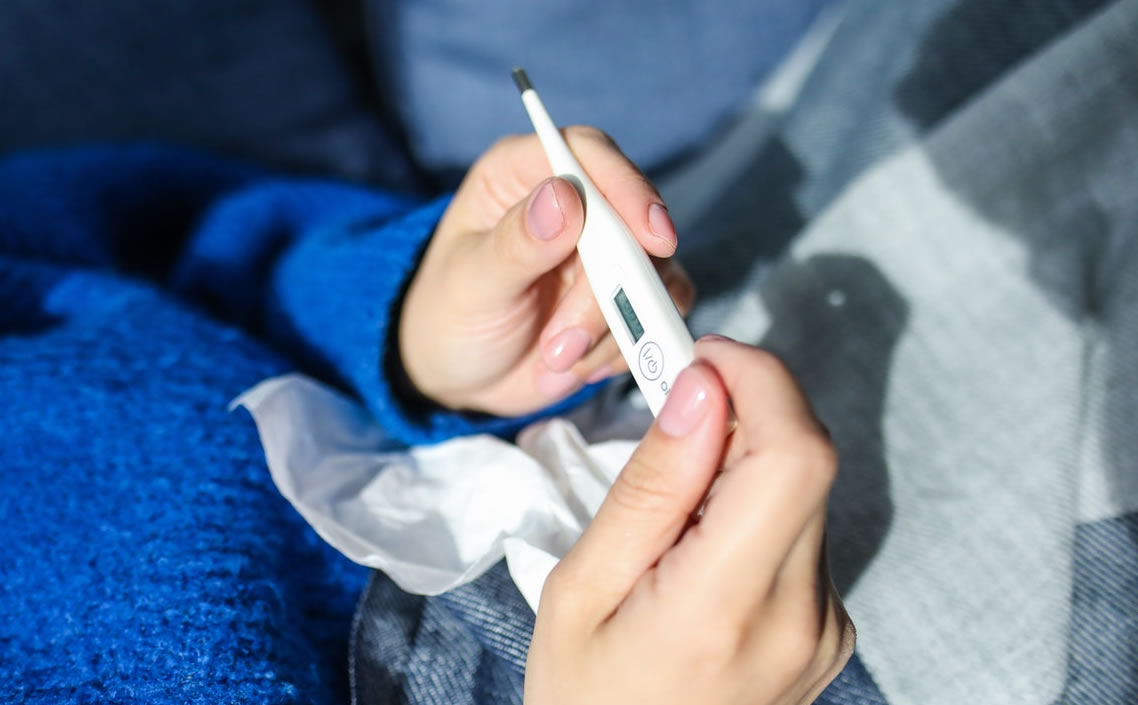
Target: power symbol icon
<point>651,361</point>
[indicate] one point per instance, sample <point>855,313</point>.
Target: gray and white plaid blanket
<point>940,236</point>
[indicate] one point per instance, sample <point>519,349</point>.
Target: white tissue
<point>435,517</point>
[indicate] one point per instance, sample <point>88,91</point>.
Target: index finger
<point>768,403</point>
<point>631,194</point>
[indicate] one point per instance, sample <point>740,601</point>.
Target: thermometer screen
<point>629,315</point>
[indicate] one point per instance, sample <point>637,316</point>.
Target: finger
<point>531,239</point>
<point>602,362</point>
<point>605,359</point>
<point>678,283</point>
<point>518,163</point>
<point>631,194</point>
<point>761,508</point>
<point>649,504</point>
<point>771,500</point>
<point>768,403</point>
<point>573,330</point>
<point>571,337</point>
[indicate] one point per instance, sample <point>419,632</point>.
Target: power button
<point>651,360</point>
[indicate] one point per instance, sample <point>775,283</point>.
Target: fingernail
<point>686,404</point>
<point>564,349</point>
<point>602,372</point>
<point>544,218</point>
<point>555,385</point>
<point>715,338</point>
<point>660,223</point>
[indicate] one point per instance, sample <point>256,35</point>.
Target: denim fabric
<point>853,686</point>
<point>1102,665</point>
<point>468,646</point>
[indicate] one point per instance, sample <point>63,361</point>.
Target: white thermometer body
<point>643,319</point>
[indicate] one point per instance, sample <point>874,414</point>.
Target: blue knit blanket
<point>146,555</point>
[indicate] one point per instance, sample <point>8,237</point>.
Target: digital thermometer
<point>643,319</point>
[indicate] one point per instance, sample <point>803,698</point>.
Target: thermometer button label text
<point>651,361</point>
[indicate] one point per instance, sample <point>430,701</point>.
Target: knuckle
<point>507,247</point>
<point>641,488</point>
<point>558,595</point>
<point>816,451</point>
<point>788,655</point>
<point>717,645</point>
<point>712,657</point>
<point>819,459</point>
<point>808,459</point>
<point>801,645</point>
<point>766,364</point>
<point>556,582</point>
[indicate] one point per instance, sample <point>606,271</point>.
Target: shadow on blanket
<point>835,321</point>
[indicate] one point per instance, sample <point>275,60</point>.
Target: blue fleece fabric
<point>146,556</point>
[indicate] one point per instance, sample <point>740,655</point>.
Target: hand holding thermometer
<point>643,319</point>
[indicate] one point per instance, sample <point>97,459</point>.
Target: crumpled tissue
<point>435,517</point>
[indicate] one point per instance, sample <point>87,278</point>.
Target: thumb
<point>651,501</point>
<point>532,238</point>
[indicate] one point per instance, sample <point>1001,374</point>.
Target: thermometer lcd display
<point>629,315</point>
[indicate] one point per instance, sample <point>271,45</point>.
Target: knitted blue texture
<point>146,556</point>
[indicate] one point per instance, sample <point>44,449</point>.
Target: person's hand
<point>499,317</point>
<point>654,605</point>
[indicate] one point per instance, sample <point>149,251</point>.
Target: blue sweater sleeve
<point>316,268</point>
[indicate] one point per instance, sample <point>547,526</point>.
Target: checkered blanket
<point>946,229</point>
